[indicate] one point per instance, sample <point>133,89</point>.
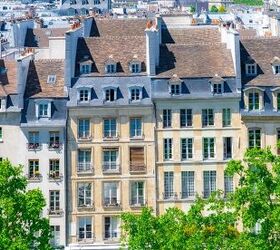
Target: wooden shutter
<point>137,159</point>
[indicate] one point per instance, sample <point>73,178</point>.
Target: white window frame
<point>131,95</point>
<point>105,94</point>
<point>113,228</point>
<point>135,197</point>
<point>226,112</point>
<point>135,67</point>
<point>209,182</point>
<point>82,93</point>
<point>85,194</point>
<point>110,68</point>
<point>83,223</point>
<point>207,155</point>
<point>188,181</point>
<point>177,86</point>
<point>251,69</point>
<point>110,133</point>
<point>111,196</point>
<point>276,69</point>
<point>217,88</point>
<point>51,79</point>
<point>38,104</point>
<point>167,149</point>
<point>83,129</point>
<point>168,185</point>
<point>137,133</point>
<point>85,68</point>
<point>55,239</point>
<point>55,200</point>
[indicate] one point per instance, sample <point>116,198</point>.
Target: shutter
<point>137,159</point>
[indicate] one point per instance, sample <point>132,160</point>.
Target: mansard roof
<point>8,77</point>
<point>37,85</point>
<point>262,51</point>
<point>40,37</point>
<point>194,52</point>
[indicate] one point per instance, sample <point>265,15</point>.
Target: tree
<point>192,9</point>
<point>222,9</point>
<point>216,222</point>
<point>21,224</point>
<point>214,9</point>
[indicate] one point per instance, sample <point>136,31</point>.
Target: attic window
<point>43,109</point>
<point>217,84</point>
<point>110,94</point>
<point>111,68</point>
<point>51,79</point>
<point>175,85</point>
<point>251,69</point>
<point>3,70</point>
<point>85,68</point>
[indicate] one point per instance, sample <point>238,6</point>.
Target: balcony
<point>55,146</point>
<point>34,146</point>
<point>54,212</point>
<point>85,168</point>
<point>112,236</point>
<point>55,176</point>
<point>84,137</point>
<point>111,136</point>
<point>36,177</point>
<point>111,168</point>
<point>170,196</point>
<point>111,203</point>
<point>84,206</point>
<point>86,237</point>
<point>137,168</point>
<point>138,202</point>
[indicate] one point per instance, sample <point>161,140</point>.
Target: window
<point>84,2</point>
<point>228,184</point>
<point>33,140</point>
<point>186,118</point>
<point>254,138</point>
<point>175,89</point>
<point>54,140</point>
<point>111,68</point>
<point>186,148</point>
<point>227,148</point>
<point>208,148</point>
<point>251,69</point>
<point>135,127</point>
<point>217,88</point>
<point>83,129</point>
<point>187,178</point>
<point>226,117</point>
<point>254,101</point>
<point>276,69</point>
<point>1,134</point>
<point>209,183</point>
<point>110,194</point>
<point>110,95</point>
<point>34,169</point>
<point>137,162</point>
<point>84,95</point>
<point>84,195</point>
<point>135,94</point>
<point>54,168</point>
<point>85,228</point>
<point>54,201</point>
<point>135,67</point>
<point>85,68</point>
<point>278,102</point>
<point>110,128</point>
<point>111,227</point>
<point>168,185</point>
<point>43,110</point>
<point>84,160</point>
<point>207,117</point>
<point>110,159</point>
<point>51,79</point>
<point>167,118</point>
<point>167,153</point>
<point>95,2</point>
<point>137,193</point>
<point>55,239</point>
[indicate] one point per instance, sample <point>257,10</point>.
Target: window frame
<point>251,69</point>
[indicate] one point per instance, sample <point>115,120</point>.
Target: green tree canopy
<point>21,224</point>
<point>214,9</point>
<point>219,223</point>
<point>249,2</point>
<point>222,9</point>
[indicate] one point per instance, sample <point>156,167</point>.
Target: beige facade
<point>98,176</point>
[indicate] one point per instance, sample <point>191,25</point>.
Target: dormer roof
<point>217,79</point>
<point>275,61</point>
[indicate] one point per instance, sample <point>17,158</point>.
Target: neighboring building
<point>261,93</point>
<point>111,143</point>
<point>43,125</point>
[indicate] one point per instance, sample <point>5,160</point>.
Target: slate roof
<point>194,52</point>
<point>247,33</point>
<point>37,76</point>
<point>40,37</point>
<point>8,77</point>
<point>122,49</point>
<point>262,51</point>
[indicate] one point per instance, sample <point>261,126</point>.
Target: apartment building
<point>196,93</point>
<point>111,144</point>
<point>260,105</point>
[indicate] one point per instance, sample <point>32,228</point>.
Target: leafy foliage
<point>192,9</point>
<point>21,224</point>
<point>218,223</point>
<point>214,9</point>
<point>249,2</point>
<point>222,9</point>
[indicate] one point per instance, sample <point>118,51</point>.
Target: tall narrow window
<point>54,201</point>
<point>207,117</point>
<point>227,148</point>
<point>228,184</point>
<point>110,95</point>
<point>226,117</point>
<point>135,94</point>
<point>85,228</point>
<point>110,128</point>
<point>167,118</point>
<point>137,193</point>
<point>84,160</point>
<point>43,110</point>
<point>186,148</point>
<point>54,140</point>
<point>135,127</point>
<point>1,134</point>
<point>110,159</point>
<point>187,179</point>
<point>251,69</point>
<point>167,144</point>
<point>84,95</point>
<point>34,169</point>
<point>186,118</point>
<point>168,185</point>
<point>278,102</point>
<point>54,169</point>
<point>254,101</point>
<point>83,129</point>
<point>111,225</point>
<point>110,190</point>
<point>208,148</point>
<point>217,88</point>
<point>137,162</point>
<point>84,195</point>
<point>33,140</point>
<point>209,183</point>
<point>254,138</point>
<point>55,239</point>
<point>175,89</point>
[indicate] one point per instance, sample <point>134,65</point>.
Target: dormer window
<point>135,93</point>
<point>43,109</point>
<point>251,69</point>
<point>111,68</point>
<point>254,101</point>
<point>276,65</point>
<point>85,68</point>
<point>253,98</point>
<point>110,94</point>
<point>51,79</point>
<point>84,95</point>
<point>84,2</point>
<point>175,85</point>
<point>217,85</point>
<point>2,104</point>
<point>276,69</point>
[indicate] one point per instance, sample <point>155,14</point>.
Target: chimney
<point>152,48</point>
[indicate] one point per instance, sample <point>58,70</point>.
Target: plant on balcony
<point>53,174</point>
<point>21,223</point>
<point>54,145</point>
<point>37,173</point>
